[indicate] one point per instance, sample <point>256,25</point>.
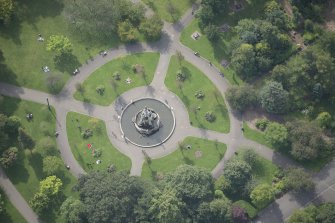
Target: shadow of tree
<point>66,63</point>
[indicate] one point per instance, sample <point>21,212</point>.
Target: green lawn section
<point>11,214</point>
<point>99,141</point>
<point>113,88</point>
<point>215,52</point>
<point>212,152</point>
<point>28,171</point>
<point>213,101</point>
<point>263,170</point>
<point>22,56</point>
<point>160,7</point>
<point>255,135</point>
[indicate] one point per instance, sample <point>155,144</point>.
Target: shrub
<point>261,124</point>
<point>9,157</point>
<point>249,156</point>
<point>209,116</point>
<point>252,212</point>
<point>199,94</point>
<point>100,89</point>
<point>97,153</point>
<point>87,133</point>
<point>180,76</point>
<point>117,76</point>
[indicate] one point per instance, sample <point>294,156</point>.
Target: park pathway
<point>166,46</point>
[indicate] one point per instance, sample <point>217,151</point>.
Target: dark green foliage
<point>52,165</point>
<point>152,27</point>
<point>7,8</point>
<point>212,32</point>
<point>87,133</point>
<point>273,98</point>
<point>73,211</point>
<point>297,180</point>
<point>25,140</point>
<point>206,16</point>
<point>12,125</point>
<point>244,61</point>
<point>261,124</point>
<point>307,141</point>
<point>103,19</point>
<point>241,97</point>
<point>276,134</point>
<point>324,213</point>
<point>40,203</point>
<point>9,157</point>
<point>276,15</point>
<point>216,211</point>
<point>192,184</point>
<point>238,174</point>
<point>110,197</point>
<point>249,156</point>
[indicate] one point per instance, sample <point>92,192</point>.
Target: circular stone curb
<point>153,145</point>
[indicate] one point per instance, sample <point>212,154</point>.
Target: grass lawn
<point>211,153</point>
<point>113,88</point>
<point>99,140</point>
<point>160,7</point>
<point>255,135</point>
<point>22,56</point>
<point>11,214</point>
<point>215,52</point>
<point>27,173</point>
<point>212,101</point>
<point>263,170</point>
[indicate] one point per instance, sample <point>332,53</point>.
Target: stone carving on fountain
<point>146,121</point>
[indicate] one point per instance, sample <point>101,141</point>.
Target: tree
<point>2,203</point>
<point>9,157</point>
<point>250,157</point>
<point>110,197</point>
<point>212,32</point>
<point>276,134</point>
<point>326,213</point>
<point>237,173</point>
<point>59,44</point>
<point>52,165</point>
<point>244,62</point>
<point>51,186</point>
<point>46,147</point>
<point>206,16</point>
<point>192,184</point>
<point>262,195</point>
<point>6,10</point>
<point>307,142</point>
<point>40,202</point>
<point>324,119</point>
<point>73,211</point>
<point>166,206</point>
<point>12,125</point>
<point>273,98</point>
<point>25,140</point>
<point>102,20</point>
<point>277,17</point>
<point>152,27</point>
<point>216,5</point>
<point>305,216</point>
<point>127,32</point>
<point>239,215</point>
<point>241,97</point>
<point>217,211</point>
<point>298,180</point>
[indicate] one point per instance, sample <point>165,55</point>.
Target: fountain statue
<point>146,121</point>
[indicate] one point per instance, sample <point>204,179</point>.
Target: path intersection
<point>167,46</point>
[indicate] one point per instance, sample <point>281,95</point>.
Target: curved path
<point>166,46</point>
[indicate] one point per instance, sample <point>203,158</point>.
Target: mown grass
<point>211,153</point>
<point>28,170</point>
<point>197,108</point>
<point>99,141</point>
<point>113,88</point>
<point>22,56</point>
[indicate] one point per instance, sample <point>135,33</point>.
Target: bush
<point>117,76</point>
<point>9,157</point>
<point>261,124</point>
<point>240,98</point>
<point>199,94</point>
<point>262,195</point>
<point>100,89</point>
<point>180,76</point>
<point>276,134</point>
<point>97,153</point>
<point>209,116</point>
<point>87,133</point>
<point>250,157</point>
<point>252,212</point>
